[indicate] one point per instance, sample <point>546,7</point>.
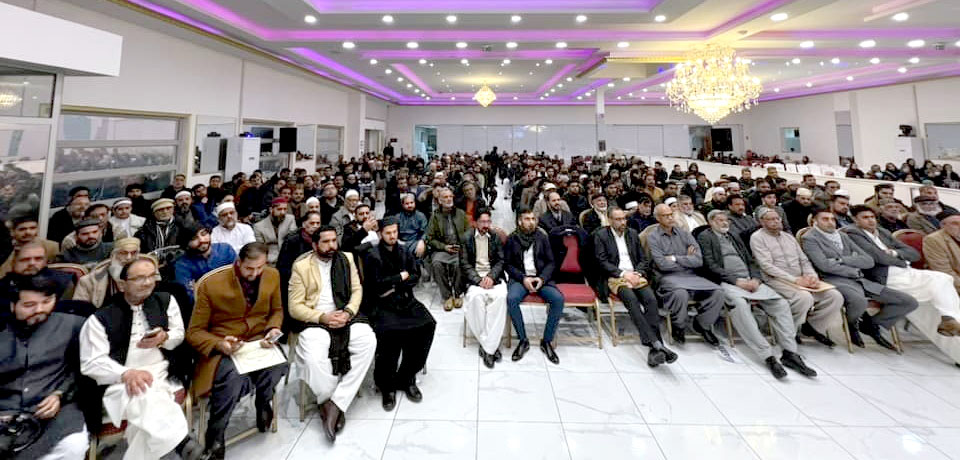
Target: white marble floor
<point>607,404</point>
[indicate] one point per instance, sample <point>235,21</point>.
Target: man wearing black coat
<point>622,262</point>
<point>485,301</point>
<point>528,261</point>
<point>401,322</point>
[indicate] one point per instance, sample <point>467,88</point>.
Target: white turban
<point>224,206</point>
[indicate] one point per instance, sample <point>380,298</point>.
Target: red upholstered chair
<point>914,239</point>
<point>110,433</point>
<point>574,294</point>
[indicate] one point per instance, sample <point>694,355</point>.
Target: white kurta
<point>486,312</point>
<point>313,352</point>
<point>155,422</point>
<point>236,238</point>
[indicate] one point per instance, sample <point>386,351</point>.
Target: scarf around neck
<point>526,239</point>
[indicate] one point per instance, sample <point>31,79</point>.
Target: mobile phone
<point>153,332</point>
<point>275,339</point>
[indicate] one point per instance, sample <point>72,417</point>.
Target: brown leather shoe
<point>949,327</point>
<point>330,414</point>
<point>448,304</point>
<point>458,302</point>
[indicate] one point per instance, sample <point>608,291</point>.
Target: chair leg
<point>188,409</point>
<point>596,315</point>
<point>846,329</point>
<point>276,416</point>
<point>464,332</point>
<point>729,325</point>
<point>613,325</point>
<point>92,450</point>
<point>202,422</point>
<point>509,333</point>
<point>669,329</point>
<point>896,339</point>
<point>303,401</point>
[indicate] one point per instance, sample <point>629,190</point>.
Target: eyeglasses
<point>143,279</point>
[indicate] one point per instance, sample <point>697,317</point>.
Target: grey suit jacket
<point>841,269</point>
<point>881,260</point>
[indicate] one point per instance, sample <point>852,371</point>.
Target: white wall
<point>813,116</point>
<point>164,73</point>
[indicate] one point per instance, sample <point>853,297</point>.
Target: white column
<point>600,120</point>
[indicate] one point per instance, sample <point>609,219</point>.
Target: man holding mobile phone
<point>529,263</point>
<point>236,303</point>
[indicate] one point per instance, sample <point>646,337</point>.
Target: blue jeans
<point>516,292</point>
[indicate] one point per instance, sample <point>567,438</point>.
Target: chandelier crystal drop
<point>712,83</point>
<point>485,96</point>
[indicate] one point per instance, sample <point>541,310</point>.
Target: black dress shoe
<point>341,421</point>
<point>522,348</point>
<point>264,418</point>
<point>413,393</point>
<point>489,360</point>
<point>775,368</point>
<point>190,449</point>
<point>808,330</point>
<point>679,335</point>
<point>671,356</point>
<point>547,349</point>
<point>498,356</point>
<point>389,400</point>
<point>855,337</point>
<point>882,341</point>
<point>707,334</point>
<point>656,357</point>
<point>798,339</point>
<point>795,363</point>
<point>330,414</point>
<point>216,451</point>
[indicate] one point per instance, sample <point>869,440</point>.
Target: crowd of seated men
<point>128,306</point>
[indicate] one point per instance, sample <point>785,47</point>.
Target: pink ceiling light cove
<point>488,6</point>
<point>928,33</point>
<point>479,55</point>
<point>320,59</point>
<point>941,71</point>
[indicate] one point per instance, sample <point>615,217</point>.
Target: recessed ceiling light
<point>914,60</point>
<point>561,44</point>
<point>916,43</point>
<point>626,78</point>
<point>537,64</point>
<point>809,85</point>
<point>643,98</point>
<point>428,98</point>
<point>868,43</point>
<point>659,18</point>
<point>787,63</point>
<point>548,62</point>
<point>618,98</point>
<point>515,18</point>
<point>581,18</point>
<point>310,19</point>
<point>506,62</point>
<point>900,17</point>
<point>821,63</point>
<point>349,45</point>
<point>388,71</point>
<point>462,45</point>
<point>623,45</point>
<point>413,45</point>
<point>849,77</point>
<point>806,44</point>
<point>902,70</point>
<point>431,64</point>
<point>464,61</point>
<point>795,60</point>
<point>569,78</point>
<point>779,17</point>
<point>374,62</point>
<point>559,85</point>
<point>776,90</point>
<point>443,80</point>
<point>644,90</point>
<point>611,85</point>
<point>553,90</point>
<point>422,61</point>
<point>416,90</point>
<point>511,45</point>
<point>630,94</point>
<point>579,98</point>
<point>453,98</point>
<point>515,98</point>
<point>409,85</point>
<point>835,61</point>
<point>451,19</point>
<point>399,79</point>
<point>875,60</point>
<point>531,72</point>
<point>387,19</point>
<point>957,43</point>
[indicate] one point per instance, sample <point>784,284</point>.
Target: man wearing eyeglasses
<point>127,347</point>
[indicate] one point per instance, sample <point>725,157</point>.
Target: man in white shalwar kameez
<point>485,303</point>
<point>231,231</point>
<point>336,346</point>
<point>122,348</point>
<point>936,317</point>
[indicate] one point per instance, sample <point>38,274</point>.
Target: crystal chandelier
<point>485,96</point>
<point>713,82</point>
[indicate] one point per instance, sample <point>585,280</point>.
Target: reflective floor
<point>607,404</point>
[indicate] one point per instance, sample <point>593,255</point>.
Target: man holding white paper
<point>236,304</point>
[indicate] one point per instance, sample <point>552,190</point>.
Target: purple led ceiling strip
<point>948,70</point>
<point>320,59</point>
<point>747,15</point>
<point>554,80</point>
<point>860,34</point>
<point>654,80</point>
<point>176,16</point>
<point>588,88</point>
<point>489,6</point>
<point>556,54</point>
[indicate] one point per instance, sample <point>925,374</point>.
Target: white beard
<point>114,269</point>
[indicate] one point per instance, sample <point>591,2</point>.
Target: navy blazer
<point>542,256</point>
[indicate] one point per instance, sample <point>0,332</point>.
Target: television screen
<point>263,133</point>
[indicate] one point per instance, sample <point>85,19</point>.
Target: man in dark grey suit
<point>842,263</point>
<point>623,265</point>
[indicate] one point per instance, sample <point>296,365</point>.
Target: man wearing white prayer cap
<point>344,215</point>
<point>231,230</point>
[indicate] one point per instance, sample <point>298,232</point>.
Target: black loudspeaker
<point>288,140</point>
<point>722,139</point>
